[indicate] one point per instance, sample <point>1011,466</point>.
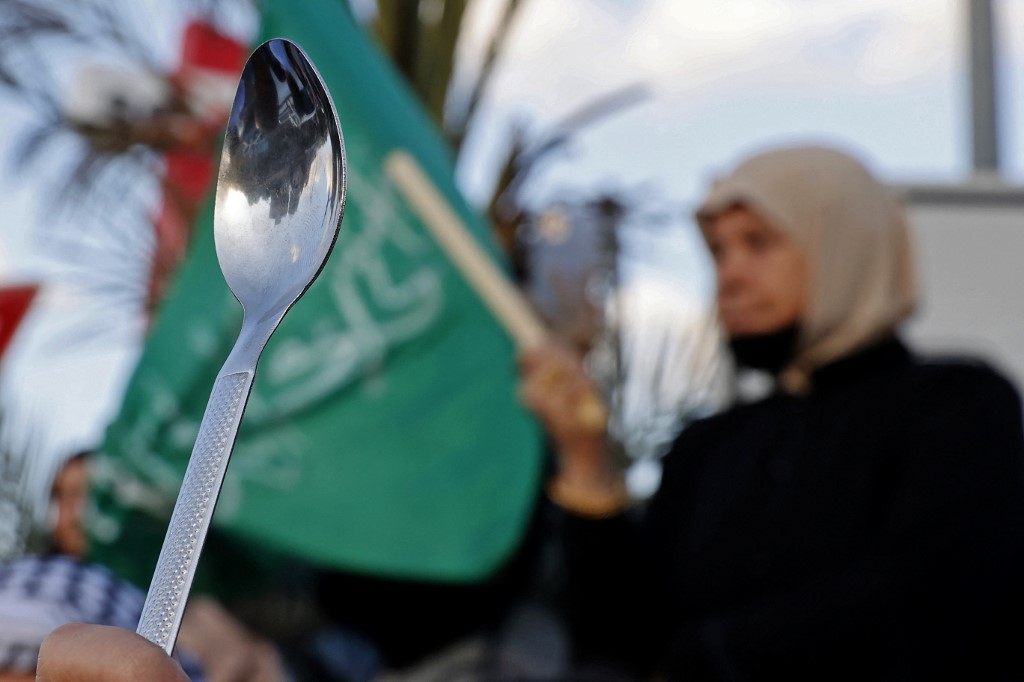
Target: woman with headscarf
<point>865,521</point>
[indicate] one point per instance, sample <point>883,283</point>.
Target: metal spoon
<point>280,200</point>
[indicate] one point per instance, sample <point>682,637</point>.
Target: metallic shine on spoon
<point>280,199</point>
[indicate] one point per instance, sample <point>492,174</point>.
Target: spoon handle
<point>175,569</point>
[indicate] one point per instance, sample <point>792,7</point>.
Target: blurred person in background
<point>40,593</point>
<point>863,521</point>
<point>45,583</point>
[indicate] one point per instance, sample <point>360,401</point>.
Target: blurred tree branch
<point>422,36</point>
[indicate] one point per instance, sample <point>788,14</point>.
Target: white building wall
<point>971,268</point>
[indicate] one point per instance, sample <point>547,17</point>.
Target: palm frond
<point>458,123</point>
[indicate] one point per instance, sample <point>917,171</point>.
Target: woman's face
<point>762,275</point>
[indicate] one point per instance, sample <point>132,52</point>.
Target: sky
<point>884,78</point>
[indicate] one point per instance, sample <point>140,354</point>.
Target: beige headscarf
<point>853,233</point>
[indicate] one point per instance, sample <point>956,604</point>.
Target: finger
<point>98,653</point>
<point>552,352</point>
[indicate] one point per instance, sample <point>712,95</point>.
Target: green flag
<point>383,434</point>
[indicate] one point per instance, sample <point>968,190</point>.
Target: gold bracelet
<point>586,503</point>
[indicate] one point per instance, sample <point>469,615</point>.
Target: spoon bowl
<point>281,180</point>
<point>280,198</point>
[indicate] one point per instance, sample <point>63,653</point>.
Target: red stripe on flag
<point>14,303</point>
<point>190,172</point>
<point>205,47</point>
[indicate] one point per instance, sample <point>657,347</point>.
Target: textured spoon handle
<point>175,569</point>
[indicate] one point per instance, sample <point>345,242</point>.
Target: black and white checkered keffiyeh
<point>39,594</point>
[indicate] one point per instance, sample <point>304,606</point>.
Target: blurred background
<point>583,130</point>
<point>573,136</point>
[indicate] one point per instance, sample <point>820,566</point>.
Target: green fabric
<point>383,434</point>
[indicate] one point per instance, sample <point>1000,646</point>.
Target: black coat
<point>870,530</point>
